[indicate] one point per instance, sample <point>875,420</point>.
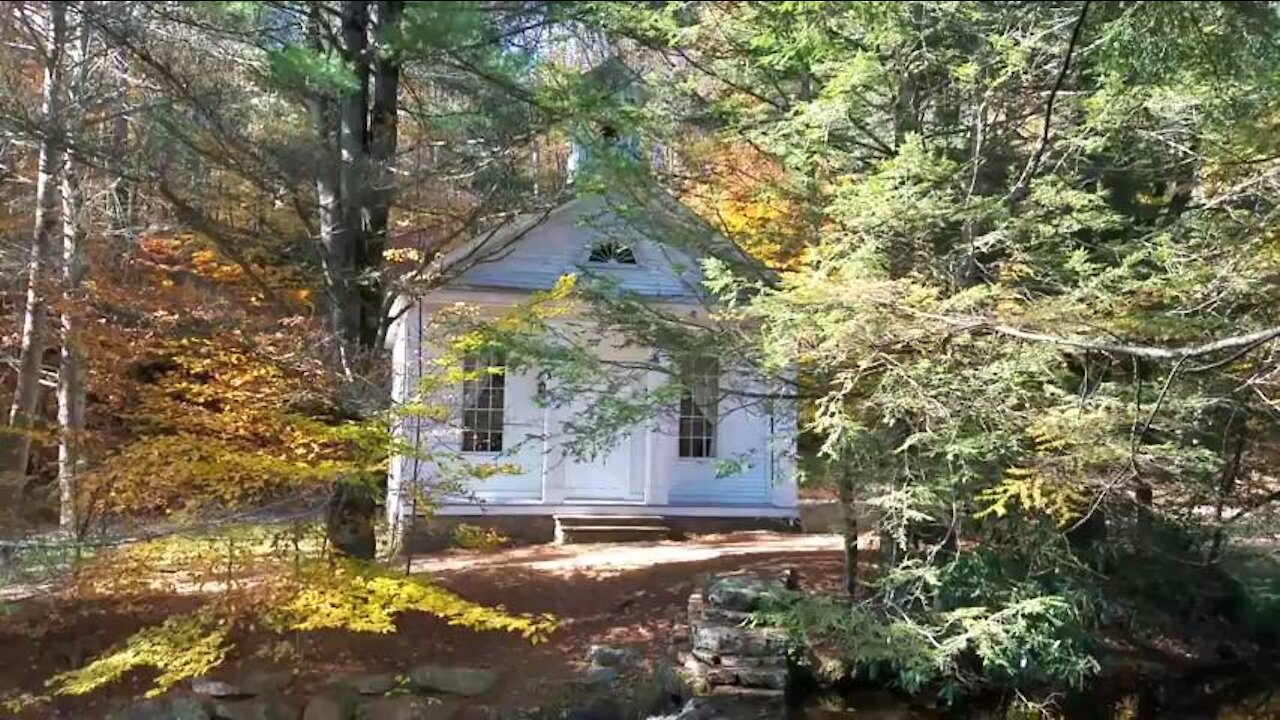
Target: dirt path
<point>625,595</point>
<point>606,560</point>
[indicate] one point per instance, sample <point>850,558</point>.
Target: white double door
<point>614,474</point>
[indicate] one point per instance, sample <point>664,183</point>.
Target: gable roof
<point>534,252</point>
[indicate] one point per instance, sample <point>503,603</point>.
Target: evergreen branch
<point>1244,342</point>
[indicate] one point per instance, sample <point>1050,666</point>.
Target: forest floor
<point>626,595</point>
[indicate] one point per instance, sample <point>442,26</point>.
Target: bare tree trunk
<point>332,240</point>
<point>120,210</point>
<point>71,371</point>
<point>322,107</point>
<point>26,398</point>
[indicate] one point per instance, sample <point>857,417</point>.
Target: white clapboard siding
<point>560,244</point>
<point>742,435</point>
<point>642,472</point>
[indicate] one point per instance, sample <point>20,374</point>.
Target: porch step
<point>609,529</point>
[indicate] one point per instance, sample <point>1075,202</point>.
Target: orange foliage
<point>742,192</point>
<point>202,394</point>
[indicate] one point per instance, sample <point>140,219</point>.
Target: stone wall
<point>425,692</point>
<point>726,659</point>
<point>430,534</point>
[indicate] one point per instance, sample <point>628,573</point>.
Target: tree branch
<point>1245,342</point>
<point>1023,186</point>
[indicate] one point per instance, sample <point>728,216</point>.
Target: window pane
<point>699,407</point>
<point>483,398</point>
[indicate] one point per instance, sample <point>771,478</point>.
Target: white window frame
<point>697,428</point>
<point>483,396</point>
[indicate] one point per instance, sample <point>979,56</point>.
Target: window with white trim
<point>699,408</point>
<point>483,400</point>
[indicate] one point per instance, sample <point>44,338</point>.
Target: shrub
<point>474,537</point>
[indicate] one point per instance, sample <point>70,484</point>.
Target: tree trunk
<point>349,525</point>
<point>850,514</point>
<point>71,371</point>
<point>120,210</point>
<point>26,397</point>
<point>332,238</point>
<point>344,190</point>
<point>383,137</point>
<point>906,123</point>
<point>323,110</point>
<point>353,180</point>
<point>1226,489</point>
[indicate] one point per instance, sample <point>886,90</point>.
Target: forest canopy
<point>1015,262</point>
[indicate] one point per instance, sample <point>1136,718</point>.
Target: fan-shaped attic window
<point>612,253</point>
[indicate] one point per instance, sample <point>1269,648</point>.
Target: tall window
<point>699,408</point>
<point>483,396</point>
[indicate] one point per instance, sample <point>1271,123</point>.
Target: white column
<point>782,451</point>
<point>657,475</point>
<point>553,458</point>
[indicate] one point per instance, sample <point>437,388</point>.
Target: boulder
<point>679,636</point>
<point>334,703</point>
<point>743,593</point>
<point>606,656</point>
<point>740,661</point>
<point>725,617</point>
<point>404,707</point>
<point>188,708</point>
<point>266,682</point>
<point>600,676</point>
<point>722,640</point>
<point>175,708</point>
<point>767,678</point>
<point>375,684</point>
<point>260,708</point>
<point>465,681</point>
<point>701,675</point>
<point>216,688</point>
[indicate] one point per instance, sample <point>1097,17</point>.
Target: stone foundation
<point>682,528</point>
<point>436,533</point>
<point>429,534</point>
